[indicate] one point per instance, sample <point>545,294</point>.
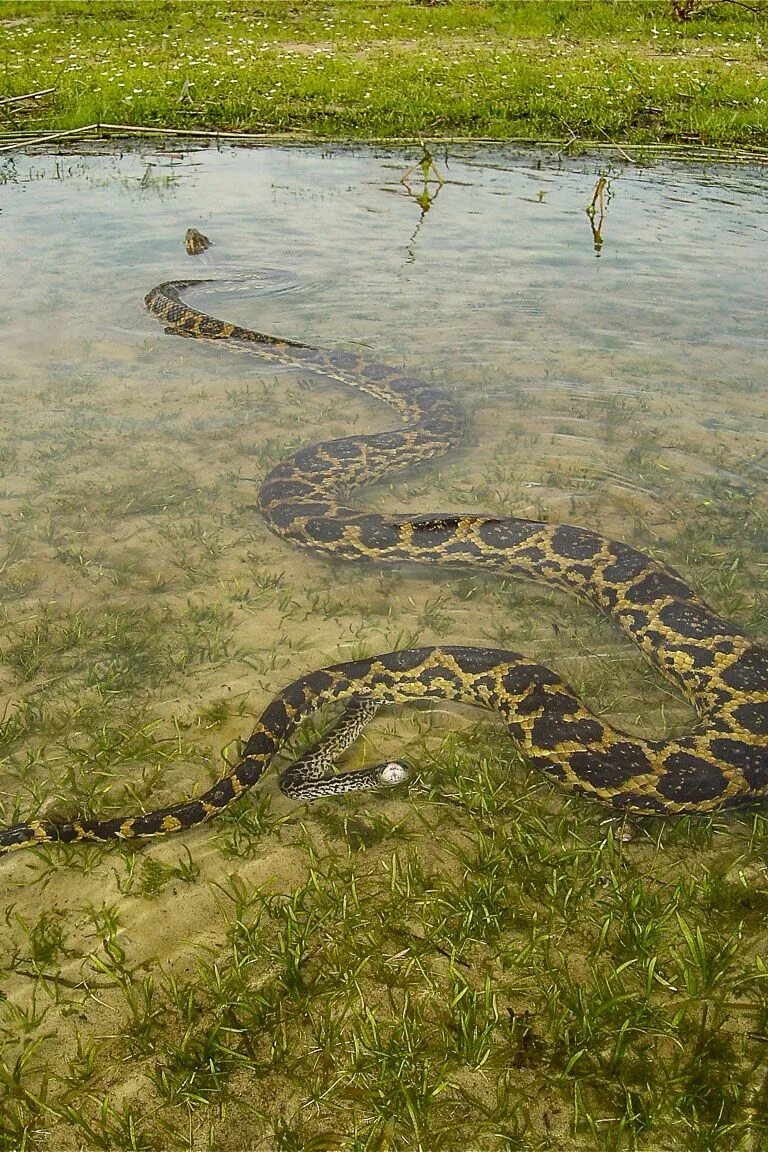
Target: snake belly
<point>721,762</point>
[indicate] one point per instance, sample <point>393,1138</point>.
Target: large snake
<point>722,761</point>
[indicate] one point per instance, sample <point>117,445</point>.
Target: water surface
<point>617,384</point>
<point>613,380</point>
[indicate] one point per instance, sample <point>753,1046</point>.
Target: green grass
<point>628,71</point>
<point>535,984</point>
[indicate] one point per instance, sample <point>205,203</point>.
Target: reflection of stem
<point>596,211</point>
<point>426,195</point>
<point>429,175</point>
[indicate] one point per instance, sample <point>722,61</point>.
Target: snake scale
<point>722,761</point>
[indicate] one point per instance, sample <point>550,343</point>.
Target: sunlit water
<point>614,373</point>
<point>614,370</point>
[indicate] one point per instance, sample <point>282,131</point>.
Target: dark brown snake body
<point>722,761</point>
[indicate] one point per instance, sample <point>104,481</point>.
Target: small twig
<point>27,96</point>
<point>207,132</point>
<point>573,140</point>
<point>50,136</point>
<point>76,984</point>
<point>618,147</point>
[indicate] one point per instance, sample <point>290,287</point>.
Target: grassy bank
<point>604,71</point>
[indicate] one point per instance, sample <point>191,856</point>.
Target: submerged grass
<point>628,71</point>
<point>537,984</point>
<point>478,963</point>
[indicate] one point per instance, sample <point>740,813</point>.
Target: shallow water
<point>614,380</point>
<point>149,615</point>
<point>620,387</point>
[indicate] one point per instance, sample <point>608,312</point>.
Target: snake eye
<point>394,773</point>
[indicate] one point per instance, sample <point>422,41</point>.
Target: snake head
<point>393,773</point>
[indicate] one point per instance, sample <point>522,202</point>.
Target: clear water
<point>148,615</point>
<point>619,385</point>
<point>498,279</point>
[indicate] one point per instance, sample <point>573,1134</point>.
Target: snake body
<point>721,762</point>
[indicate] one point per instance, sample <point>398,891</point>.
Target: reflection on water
<point>596,210</point>
<point>422,189</point>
